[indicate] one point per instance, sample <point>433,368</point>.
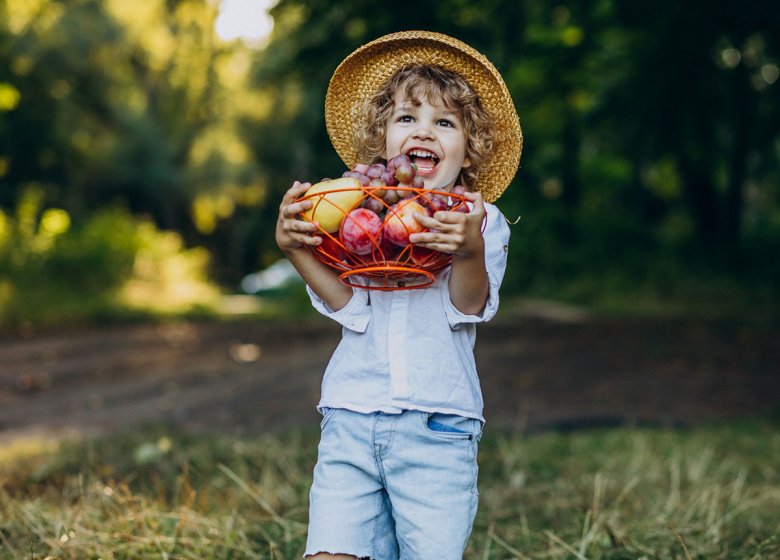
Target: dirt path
<point>538,370</point>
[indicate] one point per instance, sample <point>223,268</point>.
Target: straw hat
<point>364,71</point>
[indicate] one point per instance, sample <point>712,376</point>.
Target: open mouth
<point>424,160</point>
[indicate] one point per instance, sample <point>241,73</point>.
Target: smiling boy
<point>396,475</point>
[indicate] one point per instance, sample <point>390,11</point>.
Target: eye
<point>405,119</point>
<point>446,123</point>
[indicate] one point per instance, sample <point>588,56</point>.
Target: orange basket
<point>389,265</point>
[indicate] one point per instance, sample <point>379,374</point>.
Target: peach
<point>400,221</point>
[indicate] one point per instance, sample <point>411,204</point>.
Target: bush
<point>111,264</point>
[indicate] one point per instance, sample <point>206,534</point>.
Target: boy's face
<point>432,136</point>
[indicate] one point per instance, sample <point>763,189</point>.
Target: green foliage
<point>110,264</point>
<point>651,139</point>
<point>707,492</point>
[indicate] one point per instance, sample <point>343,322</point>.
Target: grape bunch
<point>399,171</point>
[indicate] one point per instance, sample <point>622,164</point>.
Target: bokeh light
<point>247,20</point>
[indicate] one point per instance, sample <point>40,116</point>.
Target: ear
<point>466,162</point>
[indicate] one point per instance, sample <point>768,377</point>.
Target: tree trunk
<point>570,164</point>
<point>739,153</point>
<point>701,199</point>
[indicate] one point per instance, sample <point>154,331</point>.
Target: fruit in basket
<point>373,203</point>
<point>361,231</point>
<point>391,196</point>
<point>375,171</point>
<point>400,221</point>
<point>389,178</point>
<point>404,173</point>
<point>338,196</point>
<point>389,251</point>
<point>331,247</point>
<point>423,255</point>
<point>434,202</point>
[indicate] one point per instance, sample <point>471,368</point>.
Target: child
<point>396,475</point>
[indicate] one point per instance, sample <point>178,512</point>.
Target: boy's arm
<point>461,235</point>
<point>293,235</point>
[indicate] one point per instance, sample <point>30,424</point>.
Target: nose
<point>423,132</point>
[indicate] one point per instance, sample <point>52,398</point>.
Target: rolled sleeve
<point>354,315</point>
<point>456,317</point>
<point>496,236</point>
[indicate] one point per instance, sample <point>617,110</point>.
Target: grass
<point>710,492</point>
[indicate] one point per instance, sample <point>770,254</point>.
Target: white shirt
<point>412,349</point>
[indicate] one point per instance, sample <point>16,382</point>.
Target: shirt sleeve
<point>353,316</point>
<point>496,236</point>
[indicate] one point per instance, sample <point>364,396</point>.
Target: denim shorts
<point>394,486</point>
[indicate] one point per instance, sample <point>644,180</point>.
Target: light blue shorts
<point>394,486</point>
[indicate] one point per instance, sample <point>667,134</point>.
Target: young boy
<point>396,475</point>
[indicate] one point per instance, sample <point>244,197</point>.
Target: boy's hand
<point>457,233</point>
<point>292,233</point>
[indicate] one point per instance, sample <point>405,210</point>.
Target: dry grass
<point>712,492</point>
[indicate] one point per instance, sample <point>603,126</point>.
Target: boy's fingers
<point>296,190</point>
<point>476,200</point>
<point>294,208</point>
<point>427,221</point>
<point>479,204</point>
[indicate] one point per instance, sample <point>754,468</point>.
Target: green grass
<point>710,492</point>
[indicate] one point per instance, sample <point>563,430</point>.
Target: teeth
<point>423,153</point>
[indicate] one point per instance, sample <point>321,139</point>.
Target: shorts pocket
<point>451,426</point>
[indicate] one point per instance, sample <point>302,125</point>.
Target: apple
<point>423,255</point>
<point>361,231</point>
<point>400,221</point>
<point>331,247</point>
<point>389,251</point>
<point>329,208</point>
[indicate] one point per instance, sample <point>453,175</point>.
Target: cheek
<point>392,143</point>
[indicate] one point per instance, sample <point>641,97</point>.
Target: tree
<point>695,92</point>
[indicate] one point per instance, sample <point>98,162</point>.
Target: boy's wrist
<point>474,252</point>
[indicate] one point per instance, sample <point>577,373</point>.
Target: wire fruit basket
<point>365,234</point>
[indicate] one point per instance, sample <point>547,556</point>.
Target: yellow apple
<point>338,198</point>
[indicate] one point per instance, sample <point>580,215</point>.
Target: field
<point>710,492</point>
<point>607,438</point>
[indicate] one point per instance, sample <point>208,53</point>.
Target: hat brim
<point>364,71</point>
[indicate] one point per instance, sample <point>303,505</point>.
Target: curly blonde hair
<point>437,85</point>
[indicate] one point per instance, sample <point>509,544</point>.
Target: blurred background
<point>144,147</point>
<point>630,377</point>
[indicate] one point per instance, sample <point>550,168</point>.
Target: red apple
<point>360,231</point>
<point>332,248</point>
<point>423,255</point>
<point>389,251</point>
<point>400,221</point>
